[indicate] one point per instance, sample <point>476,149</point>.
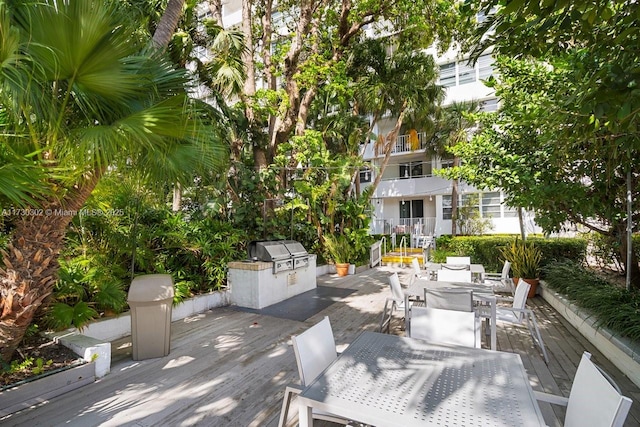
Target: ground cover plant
<point>609,304</point>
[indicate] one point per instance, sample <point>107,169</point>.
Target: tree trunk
<point>632,269</point>
<point>161,38</point>
<point>176,205</point>
<point>31,264</point>
<point>168,23</point>
<point>215,7</point>
<point>454,200</point>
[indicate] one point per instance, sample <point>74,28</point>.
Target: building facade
<point>410,198</point>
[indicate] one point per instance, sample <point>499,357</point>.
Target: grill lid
<point>295,248</point>
<point>268,251</point>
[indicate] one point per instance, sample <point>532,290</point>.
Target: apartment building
<point>410,199</point>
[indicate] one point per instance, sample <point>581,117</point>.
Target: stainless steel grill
<point>284,254</point>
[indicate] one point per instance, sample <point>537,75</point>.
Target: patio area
<point>229,367</point>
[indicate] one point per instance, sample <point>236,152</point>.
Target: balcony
<point>401,187</point>
<point>402,146</point>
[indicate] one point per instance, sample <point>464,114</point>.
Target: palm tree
<point>453,127</point>
<point>400,83</point>
<point>80,95</point>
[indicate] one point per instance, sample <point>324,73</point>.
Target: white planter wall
<point>622,353</point>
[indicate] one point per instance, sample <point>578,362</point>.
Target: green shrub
<point>613,306</point>
<point>486,250</point>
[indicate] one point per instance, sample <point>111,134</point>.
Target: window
<point>491,205</point>
<point>416,169</point>
<point>446,207</point>
<point>365,175</point>
<point>509,212</point>
<point>405,170</point>
<point>462,72</point>
<point>466,73</point>
<point>448,74</point>
<point>446,162</point>
<point>411,209</point>
<point>410,170</point>
<point>489,105</point>
<point>485,67</point>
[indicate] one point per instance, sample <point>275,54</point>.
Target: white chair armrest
<point>551,398</point>
<point>293,388</point>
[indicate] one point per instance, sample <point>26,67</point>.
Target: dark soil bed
<point>34,348</point>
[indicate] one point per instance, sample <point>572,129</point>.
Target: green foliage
<point>131,232</point>
<point>525,259</point>
<point>26,365</point>
<point>468,219</point>
<point>564,142</point>
<point>486,250</point>
<point>339,248</point>
<point>612,306</point>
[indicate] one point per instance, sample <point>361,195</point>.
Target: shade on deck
<point>229,367</point>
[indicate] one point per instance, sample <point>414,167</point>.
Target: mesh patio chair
<point>315,349</point>
<point>458,260</point>
<point>445,275</point>
<point>397,301</point>
<point>418,273</point>
<point>448,318</point>
<point>595,399</point>
<point>518,314</point>
<point>501,282</point>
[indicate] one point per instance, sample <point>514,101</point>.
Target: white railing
<point>403,145</point>
<point>375,253</point>
<point>416,227</point>
<point>403,250</point>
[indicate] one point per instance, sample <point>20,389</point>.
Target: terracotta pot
<point>534,286</point>
<point>342,269</point>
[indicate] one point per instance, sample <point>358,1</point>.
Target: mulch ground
<point>53,356</point>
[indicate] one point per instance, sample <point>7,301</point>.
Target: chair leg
<point>385,320</point>
<point>286,403</point>
<point>537,338</point>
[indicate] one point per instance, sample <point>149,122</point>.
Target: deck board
<point>229,368</point>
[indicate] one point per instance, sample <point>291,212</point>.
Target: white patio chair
<point>445,275</point>
<point>448,318</point>
<point>501,282</point>
<point>418,273</point>
<point>518,314</point>
<point>315,349</point>
<point>459,260</point>
<point>396,301</point>
<point>595,399</point>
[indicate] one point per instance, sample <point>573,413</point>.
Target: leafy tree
<point>402,84</point>
<point>299,53</point>
<point>597,44</point>
<point>454,125</point>
<point>75,107</point>
<point>535,151</point>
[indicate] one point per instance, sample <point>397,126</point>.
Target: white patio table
<point>386,380</point>
<point>481,293</point>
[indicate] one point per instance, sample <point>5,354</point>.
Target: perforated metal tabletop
<point>386,380</point>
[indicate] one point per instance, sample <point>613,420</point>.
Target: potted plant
<point>525,260</point>
<point>340,252</point>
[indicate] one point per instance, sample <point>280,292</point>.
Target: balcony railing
<point>419,226</point>
<point>403,145</point>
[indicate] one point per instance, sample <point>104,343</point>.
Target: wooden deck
<point>230,368</point>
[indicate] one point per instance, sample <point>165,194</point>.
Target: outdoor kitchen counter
<point>251,265</point>
<point>254,284</point>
